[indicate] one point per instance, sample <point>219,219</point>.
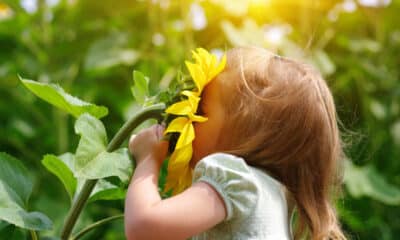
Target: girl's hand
<point>148,144</point>
<point>147,215</point>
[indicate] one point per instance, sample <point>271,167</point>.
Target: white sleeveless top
<point>255,202</point>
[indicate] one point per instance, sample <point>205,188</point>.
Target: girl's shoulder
<point>230,167</point>
<point>224,161</point>
<point>253,199</point>
<point>234,181</point>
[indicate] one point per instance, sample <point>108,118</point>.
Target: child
<point>271,143</point>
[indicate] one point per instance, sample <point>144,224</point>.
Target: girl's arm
<point>147,216</point>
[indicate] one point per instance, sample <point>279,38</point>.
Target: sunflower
<point>202,71</point>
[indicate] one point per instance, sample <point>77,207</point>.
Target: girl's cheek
<point>199,143</point>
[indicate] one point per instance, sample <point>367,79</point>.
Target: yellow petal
<point>193,99</point>
<point>197,118</point>
<point>177,125</point>
<point>197,58</point>
<point>174,166</point>
<point>219,68</point>
<point>205,67</point>
<point>181,156</point>
<point>189,94</point>
<point>186,137</point>
<point>170,184</point>
<point>185,180</point>
<point>212,67</point>
<point>197,74</point>
<point>177,169</point>
<point>180,108</point>
<point>205,56</point>
<point>178,179</point>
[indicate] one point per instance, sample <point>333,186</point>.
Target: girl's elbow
<point>138,227</point>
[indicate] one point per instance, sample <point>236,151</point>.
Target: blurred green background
<point>90,48</point>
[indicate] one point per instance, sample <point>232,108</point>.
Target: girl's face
<point>207,133</point>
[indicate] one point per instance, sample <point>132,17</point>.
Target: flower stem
<point>33,235</point>
<point>153,111</point>
<point>96,224</point>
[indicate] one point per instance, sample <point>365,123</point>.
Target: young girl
<point>271,144</point>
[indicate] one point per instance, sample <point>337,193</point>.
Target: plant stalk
<point>123,133</point>
<point>33,235</point>
<point>95,225</point>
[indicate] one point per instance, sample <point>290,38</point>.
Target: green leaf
<point>15,189</point>
<point>93,139</point>
<point>367,181</point>
<point>56,96</point>
<point>28,220</point>
<point>110,52</point>
<point>14,175</point>
<point>92,160</point>
<point>106,164</point>
<point>12,232</point>
<point>140,89</point>
<point>323,62</point>
<point>108,194</point>
<point>68,159</point>
<point>56,166</point>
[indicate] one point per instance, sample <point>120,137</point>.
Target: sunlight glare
<point>375,3</point>
<point>258,2</point>
<point>5,11</point>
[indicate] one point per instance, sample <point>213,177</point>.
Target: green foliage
<point>90,49</point>
<point>109,194</point>
<point>11,231</point>
<point>56,166</point>
<point>56,96</point>
<point>140,88</point>
<point>109,52</point>
<point>92,161</point>
<point>367,181</point>
<point>15,190</point>
<point>63,168</point>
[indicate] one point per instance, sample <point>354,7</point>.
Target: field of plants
<point>73,72</point>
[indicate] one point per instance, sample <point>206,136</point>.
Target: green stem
<point>153,111</point>
<point>95,225</point>
<point>33,235</point>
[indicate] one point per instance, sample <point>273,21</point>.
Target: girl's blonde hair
<point>280,116</point>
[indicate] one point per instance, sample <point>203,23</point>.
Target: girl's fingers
<point>150,135</point>
<point>132,137</point>
<point>149,141</point>
<point>159,131</point>
<point>130,144</point>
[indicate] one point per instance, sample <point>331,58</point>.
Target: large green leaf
<point>140,89</point>
<point>56,96</point>
<point>56,166</point>
<point>92,160</point>
<point>367,181</point>
<point>93,139</point>
<point>106,164</point>
<point>15,189</point>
